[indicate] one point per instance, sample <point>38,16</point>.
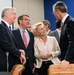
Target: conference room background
<point>38,10</point>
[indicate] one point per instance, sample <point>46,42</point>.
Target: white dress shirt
<point>64,18</point>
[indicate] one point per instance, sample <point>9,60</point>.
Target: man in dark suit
<point>23,22</point>
<point>7,41</point>
<point>67,33</point>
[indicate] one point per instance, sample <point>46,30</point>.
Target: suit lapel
<point>66,20</point>
<point>64,26</point>
<point>8,31</point>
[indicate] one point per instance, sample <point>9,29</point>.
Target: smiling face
<point>41,30</point>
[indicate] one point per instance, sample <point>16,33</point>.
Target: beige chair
<point>17,69</point>
<point>56,70</point>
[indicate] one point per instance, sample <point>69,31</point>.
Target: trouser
<point>44,68</point>
<point>27,70</point>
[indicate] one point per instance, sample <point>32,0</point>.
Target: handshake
<point>22,57</point>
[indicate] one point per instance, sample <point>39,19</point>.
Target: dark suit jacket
<point>67,40</point>
<point>29,50</point>
<point>55,34</point>
<point>7,44</point>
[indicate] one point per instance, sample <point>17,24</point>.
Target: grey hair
<point>61,6</point>
<point>6,10</point>
<point>46,22</point>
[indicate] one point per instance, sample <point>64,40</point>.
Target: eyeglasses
<point>26,19</point>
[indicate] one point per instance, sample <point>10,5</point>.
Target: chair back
<point>17,69</point>
<point>56,70</point>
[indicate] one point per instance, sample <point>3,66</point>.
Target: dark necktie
<point>10,28</point>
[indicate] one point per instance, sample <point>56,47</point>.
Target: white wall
<point>34,8</point>
<point>3,4</point>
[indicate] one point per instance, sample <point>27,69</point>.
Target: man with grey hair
<point>67,33</point>
<point>47,25</point>
<point>7,42</point>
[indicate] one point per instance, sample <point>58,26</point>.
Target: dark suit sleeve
<point>70,34</point>
<point>34,59</point>
<point>6,42</point>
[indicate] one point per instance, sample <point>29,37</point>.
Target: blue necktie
<point>10,28</point>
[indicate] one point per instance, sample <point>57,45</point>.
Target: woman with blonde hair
<point>46,48</point>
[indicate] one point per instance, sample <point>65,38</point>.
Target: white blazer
<point>52,46</point>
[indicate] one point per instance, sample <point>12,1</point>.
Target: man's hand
<point>64,64</point>
<point>34,68</point>
<point>22,58</point>
<point>22,51</point>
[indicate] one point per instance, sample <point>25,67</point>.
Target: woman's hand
<point>46,56</point>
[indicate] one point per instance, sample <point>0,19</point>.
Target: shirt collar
<point>64,18</point>
<point>22,29</point>
<point>58,30</point>
<point>6,23</point>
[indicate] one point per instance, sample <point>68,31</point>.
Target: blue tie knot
<point>10,28</point>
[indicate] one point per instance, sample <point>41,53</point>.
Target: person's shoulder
<point>1,23</point>
<point>2,26</point>
<point>52,33</point>
<point>14,30</point>
<point>36,39</point>
<point>30,33</point>
<point>50,37</point>
<point>71,19</point>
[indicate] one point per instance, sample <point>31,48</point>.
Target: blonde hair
<point>34,28</point>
